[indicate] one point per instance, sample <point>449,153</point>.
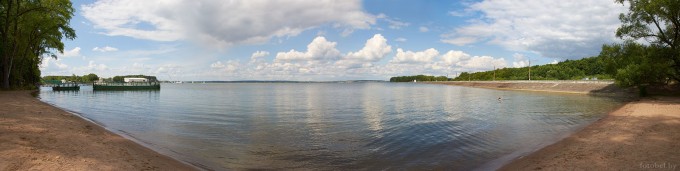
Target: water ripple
<point>330,126</point>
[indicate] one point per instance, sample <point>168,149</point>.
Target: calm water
<point>331,126</point>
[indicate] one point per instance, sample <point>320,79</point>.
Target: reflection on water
<point>331,126</point>
<point>373,109</point>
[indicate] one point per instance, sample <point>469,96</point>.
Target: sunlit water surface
<point>336,126</point>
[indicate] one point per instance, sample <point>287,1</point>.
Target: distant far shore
<point>38,136</point>
<point>604,88</point>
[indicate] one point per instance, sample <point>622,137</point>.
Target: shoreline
<point>40,136</point>
<point>639,135</point>
<point>596,88</point>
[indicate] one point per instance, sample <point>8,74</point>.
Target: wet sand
<point>37,136</point>
<point>641,135</point>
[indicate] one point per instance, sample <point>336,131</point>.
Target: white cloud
<point>70,53</point>
<point>460,41</point>
<point>217,65</point>
<point>50,66</point>
<point>520,61</point>
<point>161,50</point>
<point>457,13</point>
<point>554,61</point>
<point>458,61</point>
<point>374,50</point>
<point>105,49</point>
<point>415,57</point>
<point>96,67</point>
<point>138,65</point>
<point>393,23</point>
<point>215,22</point>
<point>461,61</point>
<point>319,49</point>
<point>400,39</point>
<point>258,54</point>
<point>91,67</point>
<point>453,57</point>
<point>47,62</point>
<point>229,66</point>
<point>169,69</point>
<point>563,29</point>
<point>483,63</point>
<point>423,29</point>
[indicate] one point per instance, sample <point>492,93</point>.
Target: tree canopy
<point>592,67</point>
<point>29,31</point>
<point>640,65</point>
<point>73,78</point>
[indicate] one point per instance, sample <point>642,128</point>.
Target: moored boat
<point>127,86</point>
<point>66,87</point>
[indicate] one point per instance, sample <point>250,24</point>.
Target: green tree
<point>118,79</point>
<point>658,22</point>
<point>90,78</point>
<point>633,64</point>
<point>29,30</point>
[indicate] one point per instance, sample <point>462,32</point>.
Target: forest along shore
<point>601,88</point>
<point>38,136</point>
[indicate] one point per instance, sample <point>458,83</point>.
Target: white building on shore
<point>135,80</point>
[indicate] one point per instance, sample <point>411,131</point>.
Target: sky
<point>327,40</point>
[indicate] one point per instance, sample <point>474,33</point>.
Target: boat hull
<point>69,88</point>
<point>151,86</point>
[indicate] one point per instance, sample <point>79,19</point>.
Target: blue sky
<point>324,40</point>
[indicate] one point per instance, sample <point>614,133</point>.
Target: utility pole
<point>529,69</point>
<point>494,72</point>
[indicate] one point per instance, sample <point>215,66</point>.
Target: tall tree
<point>633,64</point>
<point>29,31</point>
<point>658,22</point>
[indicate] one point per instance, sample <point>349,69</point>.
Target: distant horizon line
<point>272,81</point>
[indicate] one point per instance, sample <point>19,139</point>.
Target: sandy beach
<point>641,135</point>
<point>37,136</point>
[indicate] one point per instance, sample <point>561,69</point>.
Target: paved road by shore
<point>606,88</point>
<point>38,136</point>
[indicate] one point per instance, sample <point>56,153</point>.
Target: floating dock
<point>127,86</point>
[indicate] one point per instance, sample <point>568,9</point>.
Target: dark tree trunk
<point>5,74</point>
